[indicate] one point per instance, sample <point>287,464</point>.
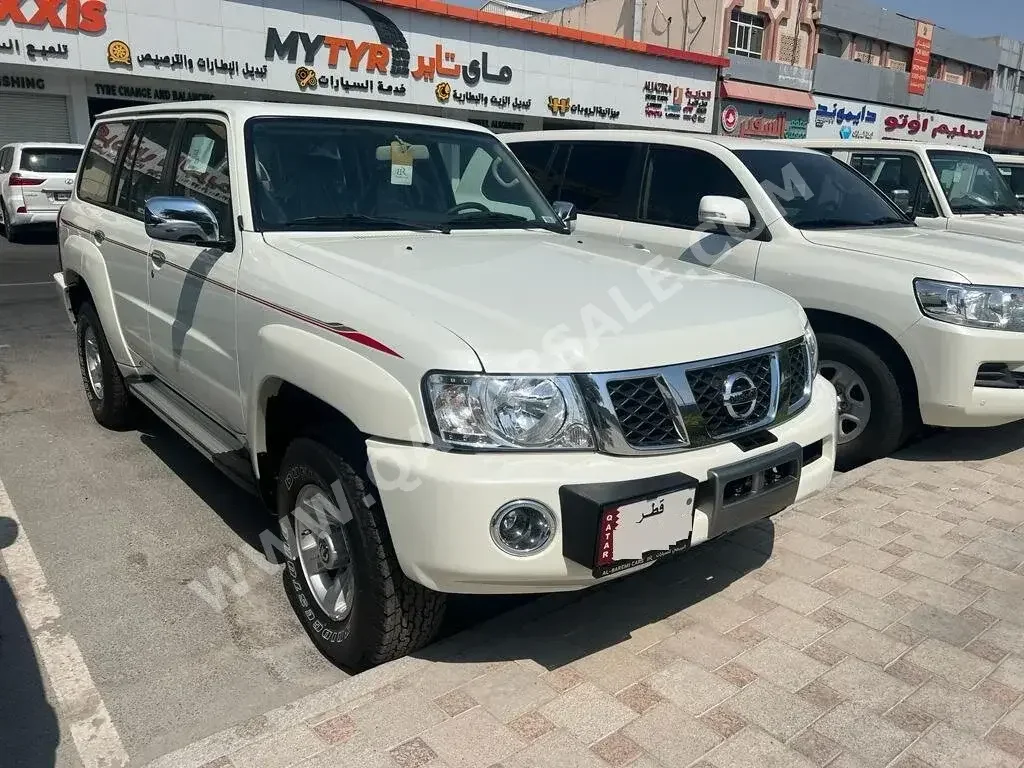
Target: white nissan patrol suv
<point>915,325</point>
<point>435,385</point>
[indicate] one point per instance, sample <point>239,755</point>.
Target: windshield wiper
<point>352,221</point>
<point>496,217</point>
<point>993,210</point>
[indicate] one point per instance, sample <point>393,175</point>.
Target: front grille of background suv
<point>682,407</point>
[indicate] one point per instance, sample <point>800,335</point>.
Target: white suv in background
<point>913,324</point>
<point>327,304</point>
<point>952,188</point>
<point>35,181</point>
<point>1012,168</point>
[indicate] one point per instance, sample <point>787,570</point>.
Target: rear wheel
<point>10,231</point>
<point>874,410</point>
<point>105,388</point>
<point>343,578</point>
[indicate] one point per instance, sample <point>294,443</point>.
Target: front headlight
<point>478,411</point>
<point>975,306</point>
<point>812,352</point>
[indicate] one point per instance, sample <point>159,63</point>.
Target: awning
<point>733,89</point>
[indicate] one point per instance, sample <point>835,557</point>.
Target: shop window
<point>202,173</point>
<point>98,169</point>
<point>677,178</point>
<point>598,176</point>
<point>892,172</point>
<point>830,43</point>
<point>746,34</point>
<point>145,179</point>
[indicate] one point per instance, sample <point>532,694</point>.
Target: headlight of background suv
<point>975,306</point>
<point>539,412</point>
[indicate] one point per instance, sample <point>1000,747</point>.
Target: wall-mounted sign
<point>22,83</point>
<point>563,106</point>
<point>917,83</point>
<point>833,118</point>
<point>377,55</point>
<point>675,102</point>
<point>139,92</point>
<point>765,121</point>
<point>71,15</point>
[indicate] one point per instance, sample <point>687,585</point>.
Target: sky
<point>977,18</point>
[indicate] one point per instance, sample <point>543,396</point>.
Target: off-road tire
<point>391,615</point>
<point>891,420</point>
<point>114,410</point>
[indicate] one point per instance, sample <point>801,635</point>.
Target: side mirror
<point>566,212</point>
<point>902,199</point>
<point>182,220</point>
<point>723,211</point>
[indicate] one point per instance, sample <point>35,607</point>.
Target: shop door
<point>33,117</point>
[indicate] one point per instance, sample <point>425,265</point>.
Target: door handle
<point>99,236</point>
<point>158,258</point>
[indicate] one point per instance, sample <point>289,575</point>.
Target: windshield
<point>50,160</point>
<point>313,174</point>
<point>813,190</point>
<point>1014,176</point>
<point>972,183</point>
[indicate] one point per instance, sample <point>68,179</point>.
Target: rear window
<point>50,160</point>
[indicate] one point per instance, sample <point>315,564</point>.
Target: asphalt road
<point>124,526</point>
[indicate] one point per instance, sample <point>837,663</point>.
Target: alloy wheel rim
<point>854,399</point>
<point>93,362</point>
<point>324,552</point>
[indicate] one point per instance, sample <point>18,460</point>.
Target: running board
<point>222,448</point>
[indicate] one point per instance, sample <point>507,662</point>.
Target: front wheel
<point>343,578</point>
<point>874,410</point>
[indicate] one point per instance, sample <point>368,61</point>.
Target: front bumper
<point>439,505</point>
<point>946,359</point>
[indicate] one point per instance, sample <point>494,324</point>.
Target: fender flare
<point>375,401</point>
<point>84,263</point>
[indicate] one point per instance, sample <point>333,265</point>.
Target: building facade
<point>1006,126</point>
<point>878,74</point>
<point>57,74</point>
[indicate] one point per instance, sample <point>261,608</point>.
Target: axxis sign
<point>73,15</point>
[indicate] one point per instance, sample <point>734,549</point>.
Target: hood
<point>977,259</point>
<point>1008,226</point>
<point>538,302</point>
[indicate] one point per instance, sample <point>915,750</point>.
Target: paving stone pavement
<point>878,624</point>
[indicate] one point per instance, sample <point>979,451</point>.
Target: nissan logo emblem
<point>739,395</point>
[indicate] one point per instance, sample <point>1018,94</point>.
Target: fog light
<point>522,527</point>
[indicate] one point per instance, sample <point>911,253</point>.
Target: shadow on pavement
<point>29,732</point>
<point>240,511</point>
<point>966,444</point>
<point>42,235</point>
<point>574,625</point>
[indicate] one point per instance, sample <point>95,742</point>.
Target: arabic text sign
<point>918,81</point>
<point>834,118</point>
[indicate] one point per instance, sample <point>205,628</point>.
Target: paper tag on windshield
<point>401,164</point>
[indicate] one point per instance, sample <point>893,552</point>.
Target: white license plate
<point>644,530</point>
<point>61,197</point>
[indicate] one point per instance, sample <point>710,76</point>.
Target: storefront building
<point>834,118</point>
<point>59,68</point>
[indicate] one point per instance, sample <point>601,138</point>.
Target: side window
<point>201,171</point>
<point>675,181</point>
<point>100,162</point>
<point>5,159</point>
<point>545,162</point>
<point>891,172</point>
<point>597,178</point>
<point>143,172</point>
